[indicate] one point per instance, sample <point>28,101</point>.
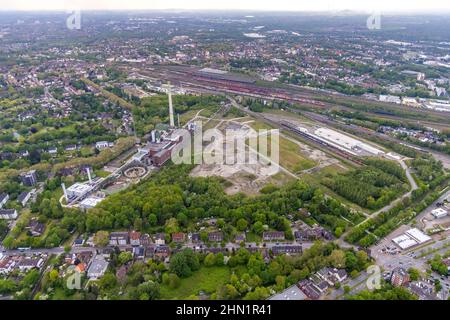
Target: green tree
<point>242,224</point>
<point>210,260</point>
<point>101,238</point>
<point>184,263</point>
<point>125,257</point>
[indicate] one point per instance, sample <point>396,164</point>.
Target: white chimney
<point>172,120</point>
<point>153,136</point>
<point>88,170</point>
<point>65,191</point>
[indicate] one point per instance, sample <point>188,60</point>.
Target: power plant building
<point>78,190</point>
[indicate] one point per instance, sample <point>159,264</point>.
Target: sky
<point>269,5</point>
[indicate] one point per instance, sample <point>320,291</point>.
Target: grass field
<point>102,173</point>
<point>291,157</point>
<point>205,279</point>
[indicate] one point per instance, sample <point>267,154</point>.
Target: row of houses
<point>424,290</point>
<point>8,214</point>
<point>22,263</point>
<point>94,265</point>
<point>135,238</point>
<point>23,198</point>
<point>317,285</point>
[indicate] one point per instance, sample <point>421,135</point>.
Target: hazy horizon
<point>323,6</point>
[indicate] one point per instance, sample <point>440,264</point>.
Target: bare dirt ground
<point>247,178</point>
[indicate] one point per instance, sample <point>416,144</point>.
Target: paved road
<point>356,285</point>
<point>230,246</point>
<point>420,218</point>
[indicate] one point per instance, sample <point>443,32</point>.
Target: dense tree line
<point>154,110</point>
<point>372,186</point>
<point>387,292</point>
<point>172,200</point>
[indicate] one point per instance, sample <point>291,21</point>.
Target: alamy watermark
<point>373,282</point>
<point>74,281</point>
<point>374,21</point>
<point>73,21</point>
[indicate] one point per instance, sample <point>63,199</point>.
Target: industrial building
<point>291,293</point>
<point>159,150</point>
<point>78,190</point>
<point>345,142</point>
<point>411,238</point>
<point>439,213</point>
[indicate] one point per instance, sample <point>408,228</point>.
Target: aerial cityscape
<point>224,155</point>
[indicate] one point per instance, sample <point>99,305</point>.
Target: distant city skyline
<point>257,5</point>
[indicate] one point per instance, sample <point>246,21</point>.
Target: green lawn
<point>205,279</point>
<point>291,156</point>
<point>102,173</point>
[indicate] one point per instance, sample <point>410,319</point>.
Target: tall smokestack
<point>172,120</point>
<point>65,191</point>
<point>88,170</point>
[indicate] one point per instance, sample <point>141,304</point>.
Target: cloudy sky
<point>294,5</point>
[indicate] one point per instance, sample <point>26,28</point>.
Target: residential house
<point>4,197</point>
<point>71,147</point>
<point>139,252</point>
<point>135,238</point>
<point>309,289</point>
<point>78,242</point>
<point>150,251</point>
<point>100,145</point>
<point>28,263</point>
<point>162,251</point>
<point>160,238</point>
<point>8,214</point>
<point>195,237</point>
<point>7,265</point>
<point>97,268</point>
<point>36,228</point>
<point>215,236</point>
<point>320,284</point>
<point>273,236</point>
<point>399,277</point>
<point>145,240</point>
<point>332,275</point>
<point>239,238</point>
<point>423,290</point>
<point>24,197</point>
<point>287,249</point>
<point>118,238</point>
<point>178,237</point>
<point>29,178</point>
<point>52,150</point>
